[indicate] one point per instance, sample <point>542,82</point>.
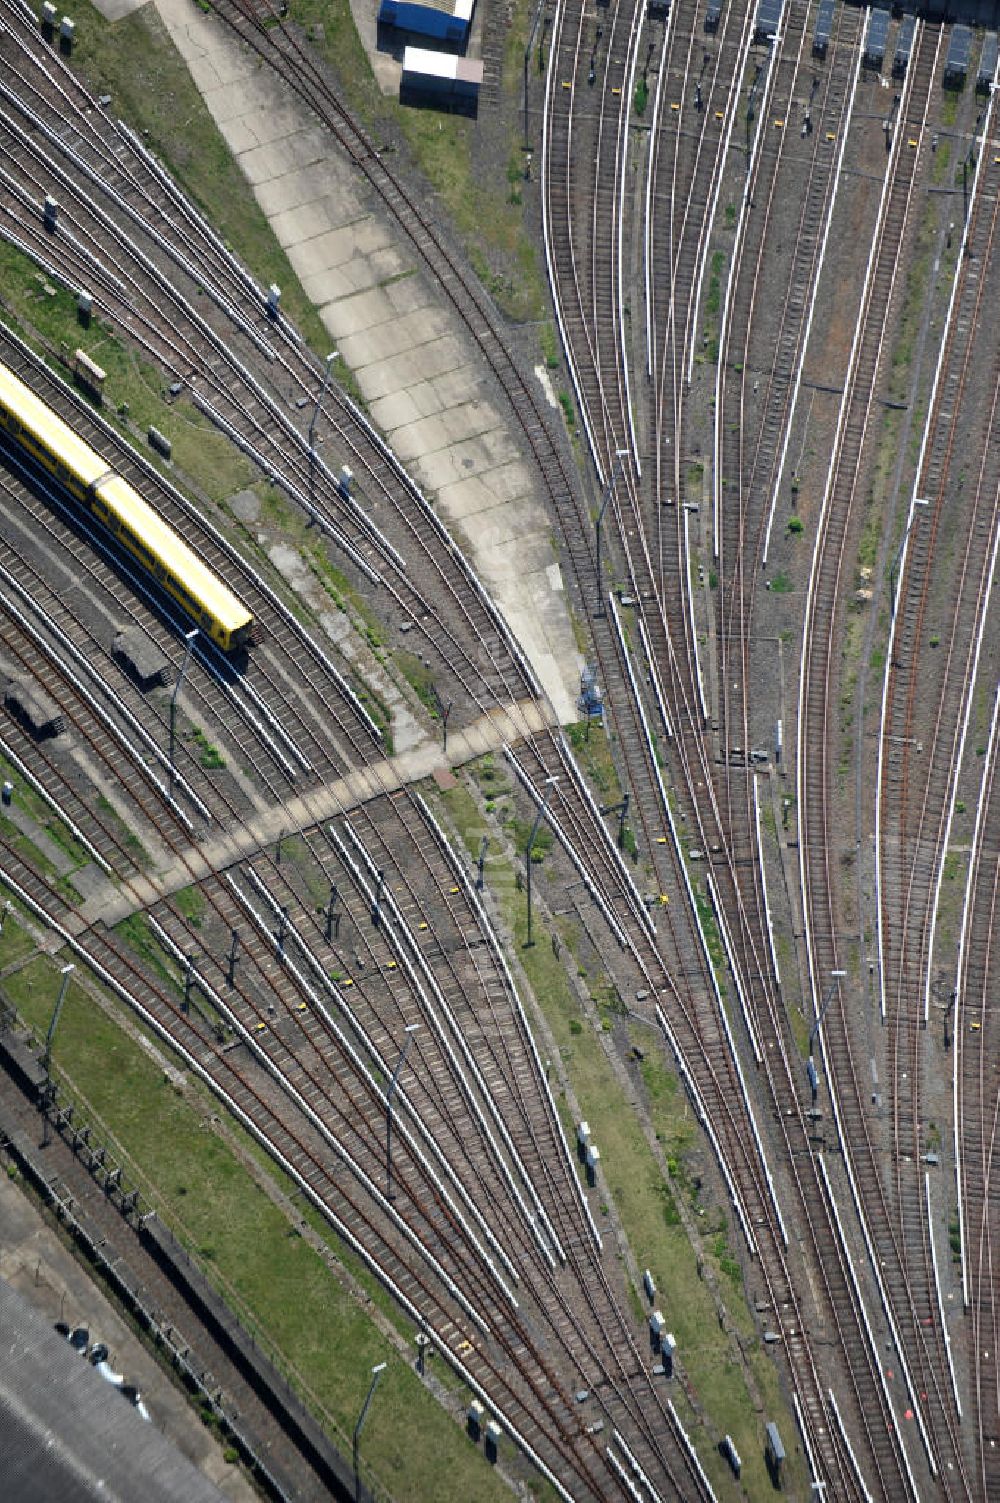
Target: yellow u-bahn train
<point>50,441</point>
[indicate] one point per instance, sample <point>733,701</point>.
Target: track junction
<point>771,396</point>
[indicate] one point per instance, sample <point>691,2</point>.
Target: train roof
<point>161,540</point>
<point>34,415</point>
<point>959,50</point>
<point>878,31</point>
<point>88,467</point>
<point>824,23</point>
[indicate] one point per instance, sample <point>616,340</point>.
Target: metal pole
<point>411,1029</point>
<point>894,566</point>
<point>620,456</point>
<point>47,1052</point>
<point>527,59</point>
<point>542,810</point>
<point>484,846</point>
<point>233,947</point>
<point>189,643</point>
<point>444,710</point>
<point>376,912</point>
<point>330,915</point>
<point>835,978</point>
<point>623,815</point>
<point>377,1372</point>
<point>333,355</point>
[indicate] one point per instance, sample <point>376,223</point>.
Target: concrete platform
<point>413,360</point>
<point>36,1264</point>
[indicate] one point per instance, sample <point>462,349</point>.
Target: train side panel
<point>139,529</point>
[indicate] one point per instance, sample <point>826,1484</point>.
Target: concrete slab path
<point>222,849</point>
<point>416,367</point>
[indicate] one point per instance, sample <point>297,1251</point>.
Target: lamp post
<point>542,810</point>
<point>45,1096</point>
<point>751,112</point>
<point>609,489</point>
<point>66,972</point>
<point>968,161</point>
<point>189,637</point>
<point>621,809</point>
<point>894,566</point>
<point>444,710</point>
<point>411,1029</point>
<point>377,1372</point>
<point>333,355</point>
<point>835,978</point>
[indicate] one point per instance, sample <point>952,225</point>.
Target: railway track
<point>905,1290</point>
<point>475,645</point>
<point>491,671</point>
<point>916,789</point>
<point>697,775</point>
<point>977,1120</point>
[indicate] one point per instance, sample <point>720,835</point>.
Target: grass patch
<point>420,678</point>
<point>630,1175</point>
<point>135,61</point>
<point>301,1312</point>
<point>208,755</point>
<point>126,836</point>
<point>190,903</point>
<point>135,932</point>
<point>694,481</point>
<point>710,929</point>
<point>566,403</point>
<point>15,941</point>
<point>135,388</point>
<point>485,207</point>
<point>592,751</point>
<point>550,346</point>
<point>27,850</point>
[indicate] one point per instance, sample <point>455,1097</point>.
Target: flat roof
<point>429,64</point>
<point>959,49</point>
<point>66,1433</point>
<point>904,41</point>
<point>878,31</point>
<point>768,17</point>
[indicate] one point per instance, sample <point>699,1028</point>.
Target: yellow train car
<point>51,442</point>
